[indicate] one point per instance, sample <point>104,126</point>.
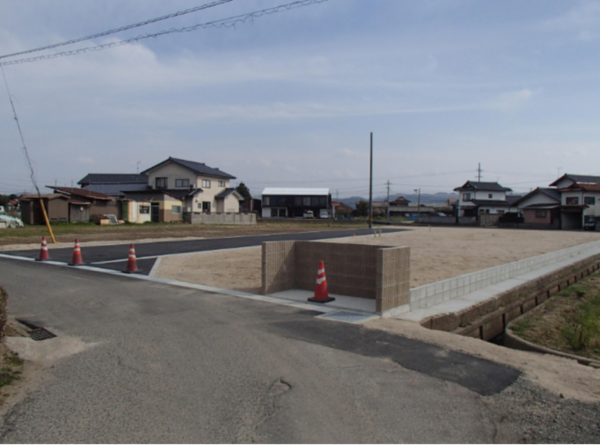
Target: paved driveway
<point>115,256</point>
<point>161,363</point>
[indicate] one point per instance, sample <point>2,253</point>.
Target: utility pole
<point>388,199</point>
<point>479,173</point>
<point>371,187</point>
<point>418,202</point>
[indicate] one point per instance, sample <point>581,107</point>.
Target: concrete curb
<point>511,340</point>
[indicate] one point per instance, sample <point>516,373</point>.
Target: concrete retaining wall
<point>219,218</point>
<point>489,318</point>
<point>530,226</point>
<point>371,272</point>
<point>488,220</point>
<point>429,295</point>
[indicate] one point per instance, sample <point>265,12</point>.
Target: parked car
<point>308,214</point>
<point>589,223</point>
<point>10,221</point>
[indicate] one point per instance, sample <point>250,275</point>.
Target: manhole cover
<point>346,316</point>
<point>40,334</point>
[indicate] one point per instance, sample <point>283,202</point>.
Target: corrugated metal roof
<point>270,191</point>
<point>114,178</point>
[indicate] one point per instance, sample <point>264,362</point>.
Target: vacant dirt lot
<point>436,254</point>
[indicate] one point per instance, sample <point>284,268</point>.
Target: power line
<point>32,176</point>
<point>222,23</point>
<point>123,28</point>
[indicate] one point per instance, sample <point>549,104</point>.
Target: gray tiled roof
<point>196,167</point>
<point>482,186</point>
<point>225,193</point>
<point>551,193</point>
<point>115,189</point>
<point>578,178</point>
<point>114,178</point>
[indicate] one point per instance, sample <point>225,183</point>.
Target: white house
<point>177,187</point>
<point>484,197</point>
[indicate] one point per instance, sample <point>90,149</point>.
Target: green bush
<point>585,333</point>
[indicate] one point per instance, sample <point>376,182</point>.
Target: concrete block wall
<point>278,266</point>
<point>372,272</point>
<point>220,218</point>
<point>429,295</point>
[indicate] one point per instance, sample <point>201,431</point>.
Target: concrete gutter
<point>511,340</point>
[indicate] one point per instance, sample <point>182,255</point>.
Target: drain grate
<point>40,334</point>
<point>346,316</point>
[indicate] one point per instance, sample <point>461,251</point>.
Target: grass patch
<point>11,366</point>
<point>568,322</point>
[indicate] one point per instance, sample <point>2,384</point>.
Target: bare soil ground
<point>436,254</point>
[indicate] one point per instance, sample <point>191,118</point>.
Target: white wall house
<point>484,197</point>
<point>177,186</point>
<point>579,196</point>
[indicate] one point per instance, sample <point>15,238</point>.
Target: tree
<point>244,191</point>
<point>362,209</point>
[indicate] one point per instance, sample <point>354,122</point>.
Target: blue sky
<point>290,99</point>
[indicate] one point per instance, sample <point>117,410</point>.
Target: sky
<point>290,99</point>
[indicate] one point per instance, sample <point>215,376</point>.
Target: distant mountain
<point>426,198</point>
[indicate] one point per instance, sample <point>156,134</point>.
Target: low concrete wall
<point>219,218</point>
<point>490,220</point>
<point>530,226</point>
<point>436,219</point>
<point>489,318</point>
<point>372,272</point>
<point>429,295</point>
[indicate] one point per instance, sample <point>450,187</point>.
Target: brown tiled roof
<point>583,186</point>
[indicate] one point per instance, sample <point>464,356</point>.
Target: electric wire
<point>122,28</point>
<point>230,22</point>
<point>12,104</point>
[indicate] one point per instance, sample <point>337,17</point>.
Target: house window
<point>490,195</point>
<point>221,183</point>
<point>206,183</point>
<point>466,196</point>
<point>206,206</point>
<point>298,201</point>
<point>266,201</point>
<point>199,206</point>
<point>306,201</point>
<point>176,210</point>
<point>573,201</point>
<point>274,213</point>
<point>589,200</point>
<point>541,213</point>
<point>144,210</point>
<point>161,183</point>
<point>182,183</point>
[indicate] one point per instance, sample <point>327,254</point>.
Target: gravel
<point>530,414</point>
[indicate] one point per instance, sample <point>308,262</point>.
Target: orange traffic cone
<point>132,261</point>
<point>321,294</point>
<point>77,259</point>
<point>44,255</point>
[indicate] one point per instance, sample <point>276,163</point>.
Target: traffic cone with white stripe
<point>131,261</point>
<point>321,293</point>
<point>44,255</point>
<point>77,259</point>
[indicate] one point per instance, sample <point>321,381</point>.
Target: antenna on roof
<point>138,166</point>
<point>558,169</point>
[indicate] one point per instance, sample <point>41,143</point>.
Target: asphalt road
<point>115,256</point>
<point>171,364</point>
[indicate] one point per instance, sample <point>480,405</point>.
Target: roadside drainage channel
<point>37,333</point>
